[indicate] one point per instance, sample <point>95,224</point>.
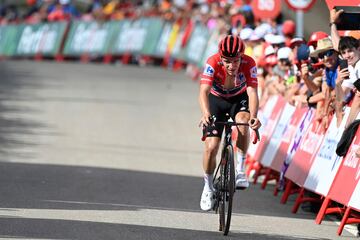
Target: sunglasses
<point>278,45</point>
<point>285,61</point>
<point>327,53</point>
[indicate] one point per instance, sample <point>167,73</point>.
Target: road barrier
<point>296,147</point>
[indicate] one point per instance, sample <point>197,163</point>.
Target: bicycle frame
<point>226,142</point>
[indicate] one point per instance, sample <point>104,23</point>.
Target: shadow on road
<point>49,229</point>
<point>12,125</point>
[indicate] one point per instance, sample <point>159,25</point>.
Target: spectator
<point>38,13</point>
<point>282,71</point>
<point>94,12</point>
<point>9,14</point>
<point>312,78</point>
<point>350,50</point>
<point>64,10</point>
<point>325,51</point>
<point>57,13</point>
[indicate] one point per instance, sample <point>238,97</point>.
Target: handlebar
<point>256,136</point>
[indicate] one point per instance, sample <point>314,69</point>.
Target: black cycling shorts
<point>219,107</point>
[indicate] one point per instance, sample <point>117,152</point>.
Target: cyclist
<point>227,85</point>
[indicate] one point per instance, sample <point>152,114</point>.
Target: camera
<point>349,19</point>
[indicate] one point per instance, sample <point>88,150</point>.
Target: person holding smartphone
<point>348,78</point>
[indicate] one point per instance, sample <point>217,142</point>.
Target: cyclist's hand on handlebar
<point>254,123</point>
<point>205,120</point>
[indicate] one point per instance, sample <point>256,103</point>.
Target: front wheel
<point>227,171</point>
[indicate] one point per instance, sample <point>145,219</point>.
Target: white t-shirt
<point>354,75</point>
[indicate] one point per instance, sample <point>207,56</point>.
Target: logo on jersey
<point>240,79</point>
<point>253,72</point>
<point>209,70</point>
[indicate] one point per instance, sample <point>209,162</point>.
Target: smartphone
<point>343,64</point>
<point>357,84</point>
<point>349,19</point>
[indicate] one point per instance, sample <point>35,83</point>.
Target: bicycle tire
<point>221,205</point>
<point>227,172</point>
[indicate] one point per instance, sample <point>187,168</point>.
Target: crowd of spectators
<point>320,73</point>
<point>62,10</point>
<point>38,11</point>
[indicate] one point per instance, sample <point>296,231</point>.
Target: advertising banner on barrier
<point>89,38</point>
<point>44,39</point>
<point>287,138</point>
<point>9,38</point>
<point>177,51</point>
<point>304,156</point>
<point>263,116</point>
<point>355,198</point>
<point>154,27</point>
<point>295,142</point>
<point>326,162</point>
<point>210,49</point>
<point>347,178</point>
<point>137,37</point>
<point>162,44</point>
<point>277,135</point>
<point>269,127</point>
<point>197,44</point>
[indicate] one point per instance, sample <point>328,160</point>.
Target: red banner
<point>280,156</point>
<point>303,158</point>
<point>348,175</point>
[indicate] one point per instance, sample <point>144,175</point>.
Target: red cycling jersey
<point>215,74</point>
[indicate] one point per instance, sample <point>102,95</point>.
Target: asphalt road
<point>114,152</point>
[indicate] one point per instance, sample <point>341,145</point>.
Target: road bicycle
<point>224,178</point>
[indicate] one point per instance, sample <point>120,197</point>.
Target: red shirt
<point>215,74</point>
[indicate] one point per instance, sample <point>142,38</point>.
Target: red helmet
<point>231,47</point>
<point>315,36</point>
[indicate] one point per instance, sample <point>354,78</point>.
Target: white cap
<point>269,50</point>
<point>204,9</point>
<point>284,53</point>
<point>64,2</point>
<point>246,33</point>
<point>274,39</point>
<point>263,29</point>
<point>254,37</point>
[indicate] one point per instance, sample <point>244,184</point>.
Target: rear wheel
<point>227,182</point>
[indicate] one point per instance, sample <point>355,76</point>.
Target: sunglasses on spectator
<point>278,45</point>
<point>327,53</point>
<point>285,61</point>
